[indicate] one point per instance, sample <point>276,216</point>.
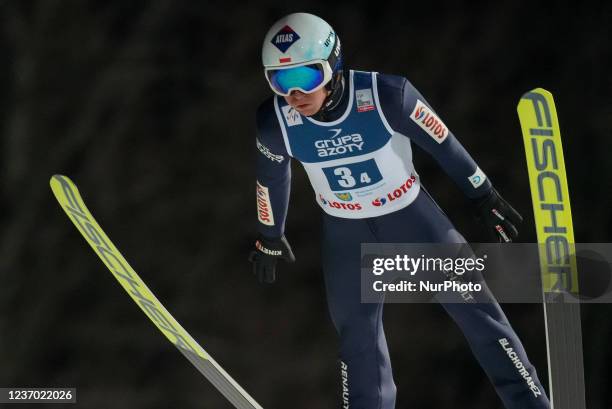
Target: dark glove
<point>499,218</point>
<point>265,256</point>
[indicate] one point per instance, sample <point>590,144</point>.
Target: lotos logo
<point>397,193</point>
<point>379,201</point>
<point>339,205</point>
<point>264,205</point>
<point>347,197</point>
<point>285,38</point>
<point>338,145</point>
<point>429,122</point>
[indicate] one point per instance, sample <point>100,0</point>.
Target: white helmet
<point>301,51</point>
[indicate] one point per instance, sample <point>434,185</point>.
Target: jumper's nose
<point>297,94</point>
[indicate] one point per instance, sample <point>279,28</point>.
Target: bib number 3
<point>346,179</point>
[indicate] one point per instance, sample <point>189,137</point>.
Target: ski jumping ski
<point>553,219</point>
<point>68,196</point>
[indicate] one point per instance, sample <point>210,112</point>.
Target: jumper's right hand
<point>266,254</point>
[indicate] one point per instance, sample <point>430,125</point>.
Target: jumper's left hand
<point>499,218</point>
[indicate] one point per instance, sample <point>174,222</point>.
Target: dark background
<point>149,106</point>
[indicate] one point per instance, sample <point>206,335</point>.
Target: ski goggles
<point>307,77</point>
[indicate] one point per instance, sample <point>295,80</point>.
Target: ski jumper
<point>360,167</point>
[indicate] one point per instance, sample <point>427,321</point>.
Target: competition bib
<point>357,165</point>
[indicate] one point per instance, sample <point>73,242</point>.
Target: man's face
<point>307,104</point>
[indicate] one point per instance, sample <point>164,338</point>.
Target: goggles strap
<point>337,91</point>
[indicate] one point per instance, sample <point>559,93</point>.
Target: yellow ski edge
<point>69,198</point>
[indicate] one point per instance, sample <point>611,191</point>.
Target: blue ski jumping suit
<point>359,163</point>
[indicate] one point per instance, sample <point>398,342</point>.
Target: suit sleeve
<point>273,173</point>
<point>411,115</point>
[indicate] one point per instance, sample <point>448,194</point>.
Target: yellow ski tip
<point>55,182</point>
<point>538,90</point>
<point>58,176</point>
<point>64,189</point>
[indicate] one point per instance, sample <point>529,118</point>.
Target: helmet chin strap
<point>333,98</point>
